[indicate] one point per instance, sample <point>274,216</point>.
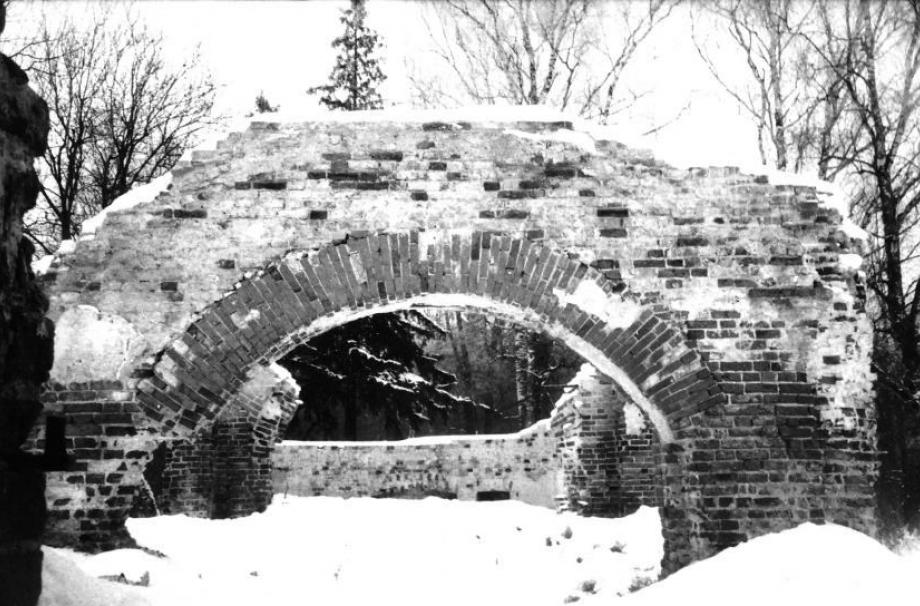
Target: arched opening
<point>221,374</point>
<point>740,334</point>
<point>424,373</point>
<point>593,451</point>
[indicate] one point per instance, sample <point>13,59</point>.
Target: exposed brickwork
<point>89,500</point>
<point>724,311</point>
<point>636,473</point>
<point>224,470</point>
<point>524,465</point>
<point>607,470</point>
<point>205,367</point>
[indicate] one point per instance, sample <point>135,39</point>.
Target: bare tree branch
<point>120,115</point>
<point>538,52</point>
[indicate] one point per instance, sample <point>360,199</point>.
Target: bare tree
<point>555,52</point>
<point>879,76</point>
<point>795,97</point>
<point>833,85</point>
<point>879,73</point>
<point>120,115</point>
<point>65,69</point>
<point>150,114</point>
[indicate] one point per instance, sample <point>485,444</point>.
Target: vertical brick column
<point>89,500</point>
<point>637,462</point>
<point>225,469</point>
<point>609,450</point>
<point>584,422</point>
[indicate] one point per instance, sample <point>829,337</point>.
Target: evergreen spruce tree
<point>357,75</point>
<point>375,365</point>
<point>263,105</point>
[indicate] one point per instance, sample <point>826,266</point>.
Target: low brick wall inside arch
<point>524,465</point>
<point>233,467</point>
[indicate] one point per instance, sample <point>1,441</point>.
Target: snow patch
<point>591,298</point>
<point>67,247</point>
<point>263,381</point>
<point>243,320</point>
<point>579,139</point>
<point>850,261</point>
<point>537,427</point>
<point>65,584</point>
<point>635,422</point>
<point>141,194</point>
<point>41,266</point>
<point>825,564</point>
<point>339,552</point>
<point>411,377</point>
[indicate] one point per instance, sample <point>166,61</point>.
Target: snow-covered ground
<point>333,551</point>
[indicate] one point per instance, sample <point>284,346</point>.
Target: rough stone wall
<point>25,339</point>
<point>749,354</point>
<point>523,465</point>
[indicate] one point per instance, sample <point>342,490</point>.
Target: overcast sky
<point>283,48</point>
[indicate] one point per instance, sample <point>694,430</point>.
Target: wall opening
<point>493,495</point>
<point>521,444</point>
<point>427,372</point>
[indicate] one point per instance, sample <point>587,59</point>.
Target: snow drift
<point>335,551</point>
<point>809,564</point>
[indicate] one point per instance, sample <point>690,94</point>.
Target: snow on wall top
<point>536,429</point>
<point>140,194</point>
<point>568,128</point>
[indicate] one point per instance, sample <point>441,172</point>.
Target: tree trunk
<point>351,403</point>
<point>541,348</point>
<point>464,371</point>
<point>523,363</point>
<point>66,225</point>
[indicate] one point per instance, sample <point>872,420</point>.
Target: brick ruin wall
<point>608,450</point>
<point>462,467</point>
<point>751,350</point>
<point>237,464</point>
<point>225,469</point>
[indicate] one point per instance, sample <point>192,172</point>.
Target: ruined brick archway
<point>300,296</point>
<point>727,306</point>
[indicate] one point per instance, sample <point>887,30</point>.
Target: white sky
<point>283,48</point>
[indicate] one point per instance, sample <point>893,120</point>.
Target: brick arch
<point>301,295</point>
